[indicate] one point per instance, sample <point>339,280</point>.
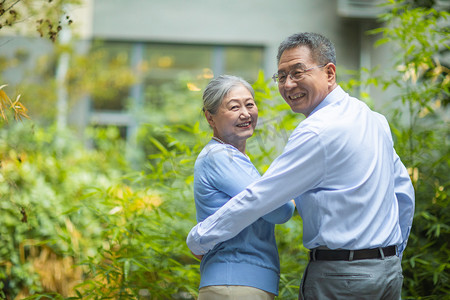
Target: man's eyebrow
<point>299,66</point>
<point>296,66</point>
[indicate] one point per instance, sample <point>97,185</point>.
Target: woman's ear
<point>209,118</point>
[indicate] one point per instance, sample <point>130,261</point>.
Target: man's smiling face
<point>305,94</point>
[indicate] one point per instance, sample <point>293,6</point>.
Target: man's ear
<point>331,74</point>
<point>209,118</point>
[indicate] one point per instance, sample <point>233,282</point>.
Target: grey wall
<point>248,22</point>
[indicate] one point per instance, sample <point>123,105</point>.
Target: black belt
<point>325,254</point>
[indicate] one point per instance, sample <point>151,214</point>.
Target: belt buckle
<point>313,254</point>
<point>350,255</point>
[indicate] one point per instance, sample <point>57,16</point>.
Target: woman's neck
<point>240,145</point>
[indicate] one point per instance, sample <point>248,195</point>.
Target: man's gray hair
<point>218,88</point>
<point>322,49</point>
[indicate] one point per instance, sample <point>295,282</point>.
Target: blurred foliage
<point>91,75</point>
<point>7,105</point>
<point>96,73</point>
<point>80,223</point>
<point>174,102</point>
<point>419,122</point>
<point>42,176</point>
<point>49,16</point>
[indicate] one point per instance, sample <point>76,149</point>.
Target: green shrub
<point>420,129</point>
<point>43,174</point>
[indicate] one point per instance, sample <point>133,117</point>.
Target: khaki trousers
<point>233,292</point>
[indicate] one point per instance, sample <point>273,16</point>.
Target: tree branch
<point>11,6</point>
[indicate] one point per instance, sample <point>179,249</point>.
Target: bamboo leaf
<point>159,145</point>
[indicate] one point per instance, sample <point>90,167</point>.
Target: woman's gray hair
<point>218,88</point>
<point>322,49</point>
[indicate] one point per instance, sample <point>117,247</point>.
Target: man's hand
<point>199,257</point>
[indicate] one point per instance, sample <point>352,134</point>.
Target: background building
<point>165,41</point>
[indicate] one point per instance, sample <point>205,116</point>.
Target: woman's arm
<point>282,214</point>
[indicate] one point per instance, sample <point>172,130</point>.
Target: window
<point>160,64</point>
<point>243,61</point>
<point>110,94</point>
<point>169,80</point>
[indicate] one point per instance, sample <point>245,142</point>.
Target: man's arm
<point>298,169</point>
<point>404,192</point>
<point>232,172</point>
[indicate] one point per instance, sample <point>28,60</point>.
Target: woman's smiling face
<point>235,120</point>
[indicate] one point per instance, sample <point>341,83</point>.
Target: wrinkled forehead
<point>295,57</point>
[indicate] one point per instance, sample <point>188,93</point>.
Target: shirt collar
<point>334,96</point>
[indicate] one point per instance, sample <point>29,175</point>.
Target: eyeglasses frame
<point>275,76</point>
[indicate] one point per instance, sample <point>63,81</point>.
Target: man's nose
<point>289,82</point>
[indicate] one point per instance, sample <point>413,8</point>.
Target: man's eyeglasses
<point>295,74</point>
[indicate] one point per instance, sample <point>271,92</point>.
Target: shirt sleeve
<point>299,168</point>
<point>231,172</point>
<point>280,215</point>
<point>404,192</point>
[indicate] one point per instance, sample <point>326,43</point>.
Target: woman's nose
<point>244,113</point>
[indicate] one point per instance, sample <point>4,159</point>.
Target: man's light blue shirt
<point>350,187</point>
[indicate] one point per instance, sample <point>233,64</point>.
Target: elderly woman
<point>246,266</point>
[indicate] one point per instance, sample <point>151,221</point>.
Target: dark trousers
<point>369,279</point>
